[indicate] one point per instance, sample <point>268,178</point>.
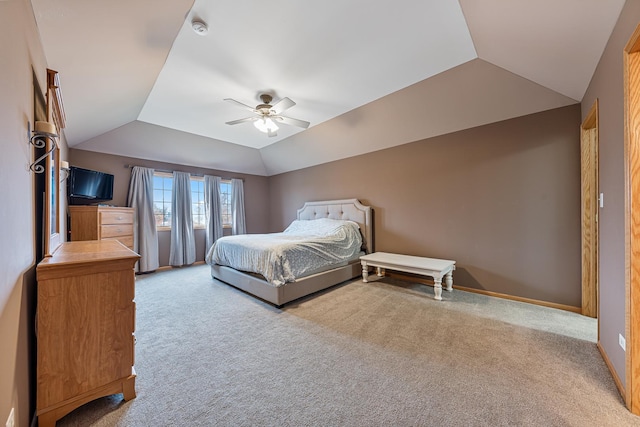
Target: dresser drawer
<point>116,217</point>
<point>116,230</point>
<point>125,240</point>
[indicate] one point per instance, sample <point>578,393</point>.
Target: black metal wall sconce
<point>42,132</point>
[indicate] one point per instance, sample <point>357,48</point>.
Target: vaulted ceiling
<point>138,81</point>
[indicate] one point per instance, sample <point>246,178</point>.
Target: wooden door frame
<point>589,212</point>
<point>631,57</point>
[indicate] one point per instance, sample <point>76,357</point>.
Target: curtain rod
<point>170,171</point>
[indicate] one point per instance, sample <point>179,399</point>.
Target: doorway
<point>632,219</point>
<point>589,211</point>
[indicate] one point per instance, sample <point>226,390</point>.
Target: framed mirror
<point>55,115</point>
<point>52,201</point>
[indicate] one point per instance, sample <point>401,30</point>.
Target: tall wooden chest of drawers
<point>102,222</point>
<point>85,326</point>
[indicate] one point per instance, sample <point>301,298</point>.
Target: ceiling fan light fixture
<point>266,125</point>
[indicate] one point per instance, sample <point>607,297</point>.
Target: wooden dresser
<point>102,222</point>
<point>85,325</point>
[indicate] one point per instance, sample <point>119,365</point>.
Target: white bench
<point>436,268</point>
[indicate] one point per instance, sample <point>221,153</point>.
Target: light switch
<point>601,198</point>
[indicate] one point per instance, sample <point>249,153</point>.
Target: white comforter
<point>305,246</point>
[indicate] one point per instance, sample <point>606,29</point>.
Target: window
<point>225,203</point>
<point>162,187</point>
<point>197,202</point>
<point>162,183</point>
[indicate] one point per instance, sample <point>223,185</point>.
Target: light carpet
<point>377,354</point>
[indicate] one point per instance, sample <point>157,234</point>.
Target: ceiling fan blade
<point>292,122</point>
<point>246,119</point>
<point>240,104</point>
<point>282,105</point>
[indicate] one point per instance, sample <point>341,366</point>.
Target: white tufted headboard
<point>348,209</point>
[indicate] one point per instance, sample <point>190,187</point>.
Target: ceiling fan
<point>267,116</point>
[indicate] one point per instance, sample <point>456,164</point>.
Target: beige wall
<point>21,53</point>
<point>607,86</point>
<point>256,190</point>
<point>503,200</point>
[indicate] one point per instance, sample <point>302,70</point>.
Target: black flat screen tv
<point>88,187</point>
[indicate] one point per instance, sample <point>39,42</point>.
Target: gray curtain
<point>212,207</point>
<point>237,207</point>
<point>145,235</point>
<point>183,243</point>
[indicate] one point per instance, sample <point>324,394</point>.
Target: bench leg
<point>380,272</point>
<point>448,279</point>
<point>437,288</point>
<point>365,272</point>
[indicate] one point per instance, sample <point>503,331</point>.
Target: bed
<point>281,293</point>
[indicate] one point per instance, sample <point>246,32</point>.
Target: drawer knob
<point>119,218</point>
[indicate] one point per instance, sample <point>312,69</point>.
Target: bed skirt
<point>290,291</point>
